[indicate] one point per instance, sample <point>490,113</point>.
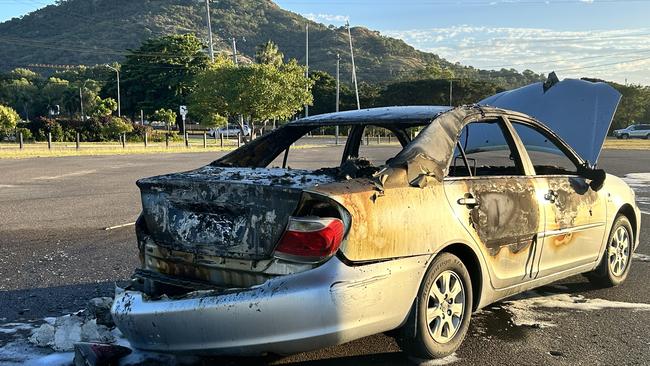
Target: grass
<point>59,149</point>
<point>631,144</point>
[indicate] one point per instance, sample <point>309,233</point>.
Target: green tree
<point>165,115</point>
<point>635,102</point>
<point>103,107</point>
<point>269,54</point>
<point>259,92</point>
<point>8,118</point>
<point>161,72</point>
<point>115,127</point>
<point>21,94</point>
<point>433,70</point>
<point>57,92</point>
<point>324,92</point>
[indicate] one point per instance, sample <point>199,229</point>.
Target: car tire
<point>647,137</point>
<point>436,328</point>
<point>617,258</point>
<point>625,136</point>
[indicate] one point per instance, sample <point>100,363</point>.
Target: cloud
<point>609,54</point>
<point>327,18</point>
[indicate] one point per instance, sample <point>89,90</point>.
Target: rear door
<point>574,213</point>
<point>496,201</point>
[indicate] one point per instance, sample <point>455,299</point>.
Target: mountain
<point>89,32</point>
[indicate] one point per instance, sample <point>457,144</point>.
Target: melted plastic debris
<point>68,330</point>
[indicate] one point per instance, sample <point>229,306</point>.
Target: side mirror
<point>597,176</point>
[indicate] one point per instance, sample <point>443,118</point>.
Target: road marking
<point>119,226</point>
<point>6,186</point>
<point>74,174</point>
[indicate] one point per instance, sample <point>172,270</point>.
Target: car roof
<point>407,115</point>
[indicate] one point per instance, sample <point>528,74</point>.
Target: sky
<point>608,39</point>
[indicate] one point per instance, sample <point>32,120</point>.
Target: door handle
<point>468,200</point>
<point>550,196</point>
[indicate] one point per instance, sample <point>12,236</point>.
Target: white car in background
<point>230,130</point>
<point>641,131</point>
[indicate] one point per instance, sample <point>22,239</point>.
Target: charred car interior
<point>483,203</point>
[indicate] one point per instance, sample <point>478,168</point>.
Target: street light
<point>81,99</point>
<point>119,106</point>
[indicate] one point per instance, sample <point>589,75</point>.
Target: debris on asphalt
<point>43,335</point>
<point>100,309</point>
<point>525,308</point>
<point>452,358</point>
<point>91,325</point>
<point>98,354</point>
<point>641,257</point>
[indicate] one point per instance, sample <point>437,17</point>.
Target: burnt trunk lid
<point>226,212</point>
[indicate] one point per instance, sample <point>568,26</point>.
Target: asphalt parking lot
<point>56,254</point>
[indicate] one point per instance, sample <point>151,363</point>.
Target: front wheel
<point>441,313</point>
<point>615,264</point>
<point>625,136</point>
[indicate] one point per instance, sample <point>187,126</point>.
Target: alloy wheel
<point>619,251</point>
<point>446,306</point>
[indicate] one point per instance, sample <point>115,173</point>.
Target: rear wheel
<point>615,264</point>
<point>441,314</point>
<point>647,137</point>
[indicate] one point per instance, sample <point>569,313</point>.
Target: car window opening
<point>365,148</point>
<point>547,157</point>
<point>485,148</point>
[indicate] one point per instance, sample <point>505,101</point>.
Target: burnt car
<point>483,203</point>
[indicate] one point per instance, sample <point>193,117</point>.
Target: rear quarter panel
<point>395,222</point>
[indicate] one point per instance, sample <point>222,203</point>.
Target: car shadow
<point>38,303</point>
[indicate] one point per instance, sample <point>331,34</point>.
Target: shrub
<point>159,136</point>
<point>41,126</point>
<point>115,127</point>
<point>137,135</point>
<point>8,118</point>
<point>27,134</point>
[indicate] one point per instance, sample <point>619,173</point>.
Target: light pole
<point>307,62</point>
<point>210,45</point>
<point>81,99</point>
<point>354,68</point>
<point>119,103</point>
<point>338,92</point>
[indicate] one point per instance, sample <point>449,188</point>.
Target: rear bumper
<point>328,305</point>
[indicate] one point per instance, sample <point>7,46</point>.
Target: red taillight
<point>311,238</point>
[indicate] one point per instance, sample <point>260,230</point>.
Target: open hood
<point>579,111</point>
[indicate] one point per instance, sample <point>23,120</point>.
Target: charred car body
<point>484,203</point>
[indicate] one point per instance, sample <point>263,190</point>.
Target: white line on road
<point>119,226</point>
<point>74,174</point>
